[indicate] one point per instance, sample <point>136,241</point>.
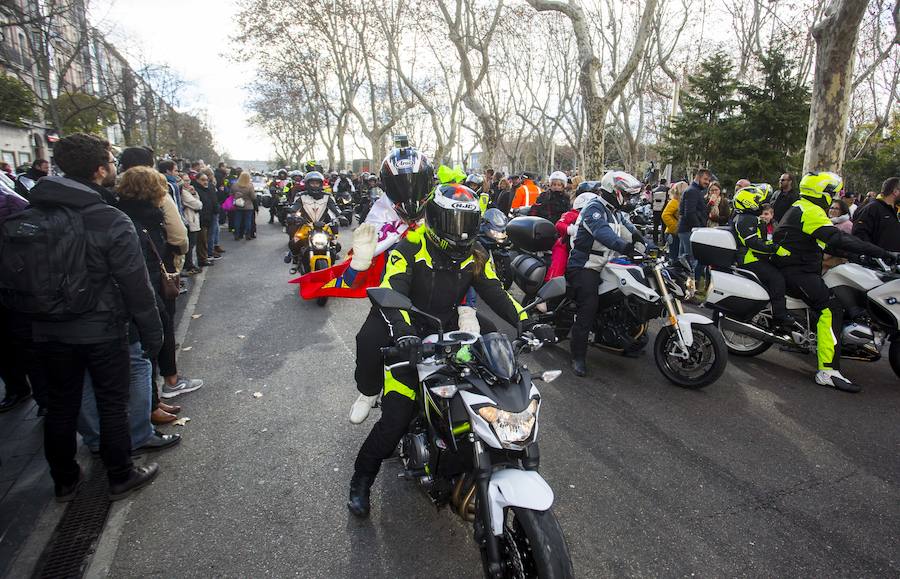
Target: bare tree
<point>835,36</point>
<point>597,102</point>
<point>471,37</point>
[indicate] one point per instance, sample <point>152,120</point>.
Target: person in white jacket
<point>190,201</point>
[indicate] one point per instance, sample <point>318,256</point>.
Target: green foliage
<point>879,161</point>
<point>772,122</point>
<point>741,131</point>
<point>188,136</point>
<point>703,134</point>
<point>83,113</point>
<point>16,101</point>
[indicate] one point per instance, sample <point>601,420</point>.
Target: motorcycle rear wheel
<point>742,344</point>
<point>708,349</point>
<point>533,545</point>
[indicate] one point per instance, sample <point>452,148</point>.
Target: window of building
<point>9,157</point>
<point>25,158</point>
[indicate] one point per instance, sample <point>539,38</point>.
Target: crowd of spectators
<point>109,370</point>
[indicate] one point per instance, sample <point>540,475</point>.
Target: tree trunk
<point>596,110</point>
<point>829,110</point>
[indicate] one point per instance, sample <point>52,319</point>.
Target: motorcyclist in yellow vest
<point>754,249</point>
<point>804,233</point>
<point>435,266</point>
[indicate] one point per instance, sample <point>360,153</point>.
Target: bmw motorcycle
<point>688,350</point>
<point>473,445</point>
<point>869,292</point>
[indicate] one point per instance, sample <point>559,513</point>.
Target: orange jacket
<point>526,194</point>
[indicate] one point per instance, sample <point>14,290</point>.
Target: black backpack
<point>43,266</point>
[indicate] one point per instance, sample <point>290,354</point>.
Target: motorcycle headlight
<point>497,235</point>
<point>511,427</point>
<point>319,240</point>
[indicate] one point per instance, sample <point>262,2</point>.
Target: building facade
<point>51,48</point>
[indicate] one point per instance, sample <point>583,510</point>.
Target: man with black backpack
<point>71,267</point>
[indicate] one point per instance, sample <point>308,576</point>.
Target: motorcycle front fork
<point>673,308</point>
<point>484,533</point>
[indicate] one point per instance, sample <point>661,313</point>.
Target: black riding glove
<point>543,332</point>
<point>409,342</point>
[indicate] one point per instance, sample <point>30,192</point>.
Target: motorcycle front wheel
<point>706,362</point>
<point>533,545</point>
<point>894,355</point>
<point>320,264</point>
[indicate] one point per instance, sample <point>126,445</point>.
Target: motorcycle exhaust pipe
<point>755,332</point>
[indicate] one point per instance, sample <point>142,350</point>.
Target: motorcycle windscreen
<point>496,353</point>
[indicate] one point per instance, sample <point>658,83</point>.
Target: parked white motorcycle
<point>870,295</point>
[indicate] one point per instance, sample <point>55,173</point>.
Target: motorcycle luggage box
<point>531,233</point>
<point>714,246</point>
<point>529,272</point>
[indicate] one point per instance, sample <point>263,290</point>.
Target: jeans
<point>243,223</point>
<point>674,246</point>
<point>212,238</point>
<point>192,246</point>
<point>140,388</point>
<point>684,250</point>
<point>108,364</point>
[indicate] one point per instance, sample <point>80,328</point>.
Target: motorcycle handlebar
<point>395,352</point>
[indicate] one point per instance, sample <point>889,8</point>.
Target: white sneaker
<point>837,380</point>
<point>361,408</point>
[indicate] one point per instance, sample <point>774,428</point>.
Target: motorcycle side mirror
<point>388,299</point>
<point>554,288</point>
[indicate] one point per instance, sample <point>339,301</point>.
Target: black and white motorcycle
<point>473,445</point>
<point>869,292</point>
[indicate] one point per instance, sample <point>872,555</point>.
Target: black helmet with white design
<point>406,177</point>
<point>452,219</point>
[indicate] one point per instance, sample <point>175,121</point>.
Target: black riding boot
<point>358,504</point>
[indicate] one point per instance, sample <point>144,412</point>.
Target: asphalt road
<point>761,474</point>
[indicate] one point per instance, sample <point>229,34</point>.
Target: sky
<point>191,36</point>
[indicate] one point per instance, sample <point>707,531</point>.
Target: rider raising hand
<point>434,266</point>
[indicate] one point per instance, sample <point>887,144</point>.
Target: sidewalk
<point>28,514</point>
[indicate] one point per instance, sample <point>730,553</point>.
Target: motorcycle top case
<point>531,233</point>
<point>714,246</point>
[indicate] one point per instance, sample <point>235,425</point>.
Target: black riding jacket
<point>436,284</point>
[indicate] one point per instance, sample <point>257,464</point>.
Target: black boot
<point>579,367</point>
<point>358,504</point>
<point>783,325</point>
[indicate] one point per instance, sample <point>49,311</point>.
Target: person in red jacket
<point>566,228</point>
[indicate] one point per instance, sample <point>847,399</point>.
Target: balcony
<point>13,57</point>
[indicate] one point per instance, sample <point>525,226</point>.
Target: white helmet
<point>617,186</point>
<point>558,176</point>
<point>583,200</point>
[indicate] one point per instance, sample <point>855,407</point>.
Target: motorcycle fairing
<point>629,279</point>
<point>684,323</point>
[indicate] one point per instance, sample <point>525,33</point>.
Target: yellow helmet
<point>749,199</point>
<point>820,188</point>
